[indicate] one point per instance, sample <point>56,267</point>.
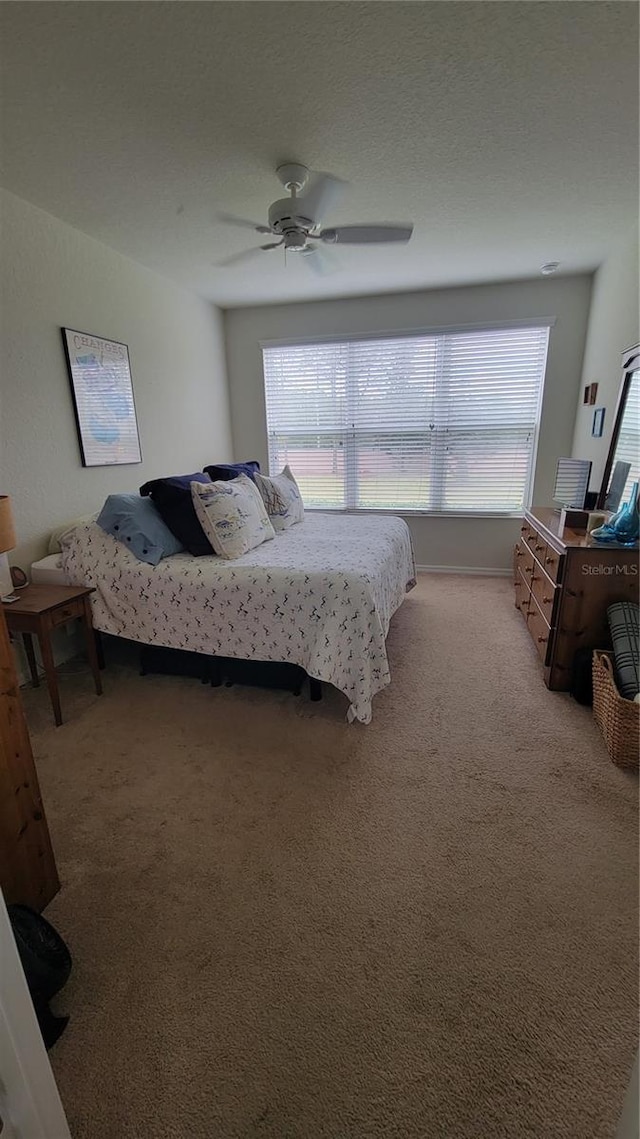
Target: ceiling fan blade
<point>320,261</point>
<point>242,223</point>
<point>237,258</point>
<point>247,254</point>
<point>323,193</point>
<point>366,234</point>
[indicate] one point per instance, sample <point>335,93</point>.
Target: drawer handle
<point>523,529</point>
<point>547,600</point>
<point>539,547</point>
<point>548,561</point>
<point>541,640</point>
<point>528,569</point>
<point>519,553</point>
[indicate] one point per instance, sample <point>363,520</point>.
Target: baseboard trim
<point>483,571</point>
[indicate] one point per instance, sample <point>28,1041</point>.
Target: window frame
<point>547,322</point>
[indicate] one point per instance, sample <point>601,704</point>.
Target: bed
<point>320,595</point>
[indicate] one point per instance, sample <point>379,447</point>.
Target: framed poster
<point>105,411</point>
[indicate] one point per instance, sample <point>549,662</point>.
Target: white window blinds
<point>628,448</point>
<point>443,422</point>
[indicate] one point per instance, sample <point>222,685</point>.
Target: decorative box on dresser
<point>563,585</point>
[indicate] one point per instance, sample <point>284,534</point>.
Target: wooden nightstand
<point>39,610</point>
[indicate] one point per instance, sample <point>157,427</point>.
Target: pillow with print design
<point>136,523</point>
<point>282,498</point>
<point>232,515</point>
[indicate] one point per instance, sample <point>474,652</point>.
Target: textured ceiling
<point>506,131</point>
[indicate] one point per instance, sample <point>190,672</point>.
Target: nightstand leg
<point>27,640</point>
<point>90,640</point>
<point>50,673</point>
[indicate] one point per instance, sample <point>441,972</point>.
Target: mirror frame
<point>630,364</point>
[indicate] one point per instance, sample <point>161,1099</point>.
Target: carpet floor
<point>287,927</point>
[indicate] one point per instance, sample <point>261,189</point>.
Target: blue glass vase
<point>606,532</point>
<point>627,525</point>
<point>623,527</point>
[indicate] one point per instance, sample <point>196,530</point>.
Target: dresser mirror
<point>625,438</point>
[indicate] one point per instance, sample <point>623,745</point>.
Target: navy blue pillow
<point>136,522</point>
<point>223,472</point>
<point>172,497</point>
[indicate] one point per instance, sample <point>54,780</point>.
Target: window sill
<point>420,513</point>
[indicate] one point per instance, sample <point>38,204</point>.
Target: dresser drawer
<point>520,552</point>
<point>540,631</point>
<point>539,548</point>
<point>523,594</point>
<point>545,593</point>
<point>531,537</point>
<point>526,562</point>
<point>551,562</point>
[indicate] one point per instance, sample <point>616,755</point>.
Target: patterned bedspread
<point>320,595</point>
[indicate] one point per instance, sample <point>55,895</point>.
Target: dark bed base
<point>227,670</point>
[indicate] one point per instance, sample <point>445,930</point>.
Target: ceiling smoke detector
<point>549,268</point>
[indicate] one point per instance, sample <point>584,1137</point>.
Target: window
<point>443,422</point>
<point>628,448</point>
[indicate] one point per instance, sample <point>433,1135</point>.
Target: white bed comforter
<point>320,595</point>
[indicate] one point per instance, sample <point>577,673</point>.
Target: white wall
<point>614,324</point>
<point>51,276</point>
<point>465,542</point>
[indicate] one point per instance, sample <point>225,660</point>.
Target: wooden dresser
<point>563,586</point>
<point>27,866</point>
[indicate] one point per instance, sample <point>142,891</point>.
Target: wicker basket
<point>617,718</point>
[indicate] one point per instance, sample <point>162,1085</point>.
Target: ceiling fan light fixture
<point>294,242</point>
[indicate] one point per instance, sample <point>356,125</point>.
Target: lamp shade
<point>7,532</point>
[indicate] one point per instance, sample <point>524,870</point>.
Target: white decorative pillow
<point>282,498</point>
<point>60,536</point>
<point>232,515</point>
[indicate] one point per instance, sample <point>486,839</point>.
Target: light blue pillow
<point>135,522</point>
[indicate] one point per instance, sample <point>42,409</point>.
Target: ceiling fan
<point>297,220</point>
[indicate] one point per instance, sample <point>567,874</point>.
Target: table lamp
<point>7,542</point>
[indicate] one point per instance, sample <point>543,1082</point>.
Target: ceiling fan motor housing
<point>284,218</point>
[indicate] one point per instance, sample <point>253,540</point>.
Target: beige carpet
<point>287,927</point>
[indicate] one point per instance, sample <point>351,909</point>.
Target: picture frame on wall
<point>103,401</point>
<point>598,422</point>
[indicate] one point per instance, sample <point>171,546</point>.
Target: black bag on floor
<point>47,964</point>
<point>582,677</point>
